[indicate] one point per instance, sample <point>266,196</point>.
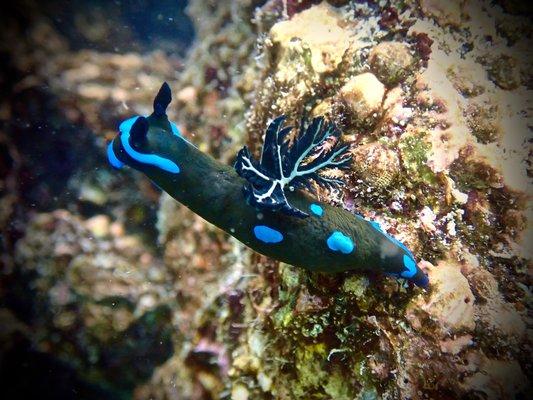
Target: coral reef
<point>94,308</point>
<point>434,99</point>
<point>428,156</point>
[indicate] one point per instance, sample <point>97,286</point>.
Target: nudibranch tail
<point>293,165</point>
<point>251,201</point>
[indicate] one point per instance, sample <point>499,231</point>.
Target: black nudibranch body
<point>261,202</point>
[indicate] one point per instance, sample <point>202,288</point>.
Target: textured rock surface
<point>439,129</point>
<point>391,61</point>
<point>417,130</point>
<point>363,96</point>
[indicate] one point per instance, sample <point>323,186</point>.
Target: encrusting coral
<point>433,100</point>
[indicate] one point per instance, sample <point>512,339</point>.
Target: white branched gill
<point>293,165</point>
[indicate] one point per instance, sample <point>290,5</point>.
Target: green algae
<point>414,150</point>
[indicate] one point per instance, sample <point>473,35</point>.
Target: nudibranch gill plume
<point>261,203</point>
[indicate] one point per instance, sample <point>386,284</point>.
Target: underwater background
<point>110,289</point>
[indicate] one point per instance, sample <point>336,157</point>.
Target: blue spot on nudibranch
<point>408,260</point>
<point>410,264</point>
<point>316,209</point>
<point>422,282</point>
<point>340,242</point>
<point>376,225</point>
<point>175,129</point>
<point>267,235</point>
<point>151,159</point>
<point>112,158</point>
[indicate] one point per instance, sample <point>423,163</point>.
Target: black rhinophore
<point>162,100</point>
<point>138,132</point>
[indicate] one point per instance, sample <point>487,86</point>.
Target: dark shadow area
<point>45,156</point>
<point>113,26</point>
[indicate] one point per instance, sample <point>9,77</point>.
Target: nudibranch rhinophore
<point>261,202</point>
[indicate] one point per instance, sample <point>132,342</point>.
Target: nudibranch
<point>261,203</point>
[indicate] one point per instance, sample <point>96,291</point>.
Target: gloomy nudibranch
<point>261,202</point>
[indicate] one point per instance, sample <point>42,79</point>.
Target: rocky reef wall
<point>434,99</point>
